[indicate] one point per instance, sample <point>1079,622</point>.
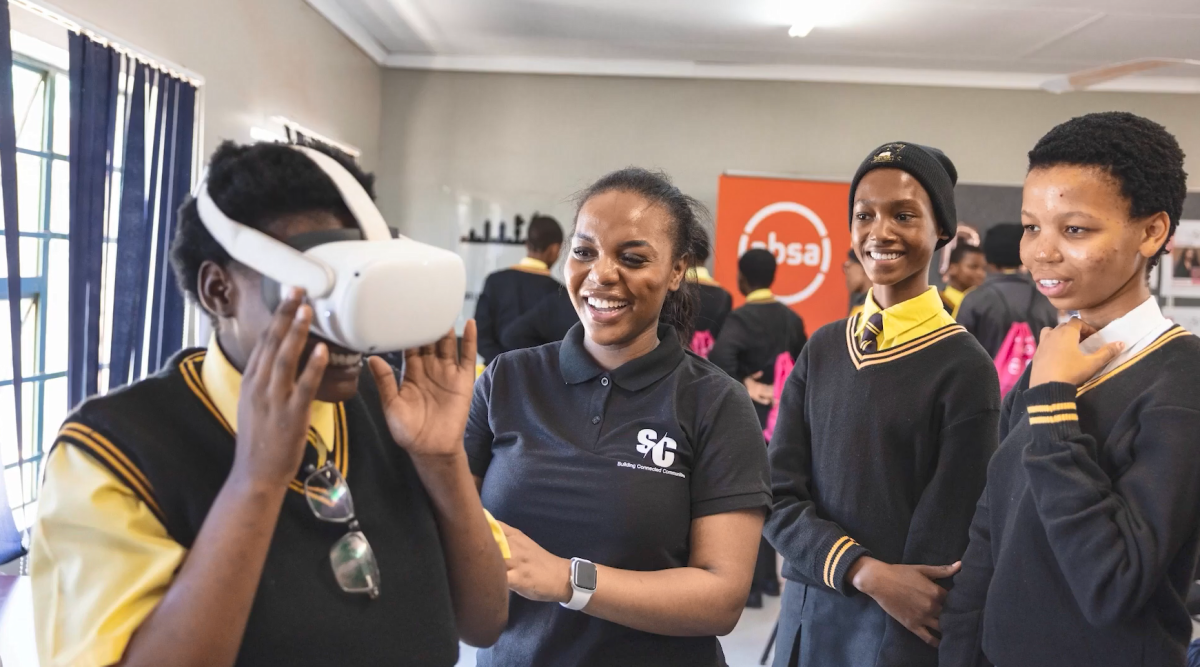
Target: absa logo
<point>798,239</point>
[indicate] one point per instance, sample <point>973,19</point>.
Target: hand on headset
<point>427,413</point>
<point>275,404</point>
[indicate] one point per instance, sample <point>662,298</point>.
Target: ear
<point>216,290</point>
<point>678,271</point>
<point>1155,231</point>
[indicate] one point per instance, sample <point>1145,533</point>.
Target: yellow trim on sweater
<point>1057,407</point>
<point>1054,419</point>
<point>1170,335</point>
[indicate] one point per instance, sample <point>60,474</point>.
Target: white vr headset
<point>369,292</point>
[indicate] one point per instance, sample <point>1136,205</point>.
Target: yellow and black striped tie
<point>871,333</point>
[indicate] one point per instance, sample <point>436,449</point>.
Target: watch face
<point>583,575</point>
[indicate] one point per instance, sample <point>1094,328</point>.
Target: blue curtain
<point>148,307</point>
<point>173,184</point>
<point>133,245</point>
<point>95,69</point>
<point>10,539</point>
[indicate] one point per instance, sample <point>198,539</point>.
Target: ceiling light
<point>262,134</point>
<point>802,28</point>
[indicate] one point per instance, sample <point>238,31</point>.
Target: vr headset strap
<point>273,259</point>
<point>369,219</point>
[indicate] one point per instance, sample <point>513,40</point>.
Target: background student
<point>715,304</point>
<point>619,461</point>
<point>174,526</point>
<point>509,293</point>
<point>1007,296</point>
<point>857,283</point>
<point>761,341</point>
<point>884,433</point>
<point>757,332</point>
<point>967,270</point>
<point>1085,542</point>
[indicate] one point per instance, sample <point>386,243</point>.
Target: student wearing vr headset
<point>266,501</point>
<point>630,473</point>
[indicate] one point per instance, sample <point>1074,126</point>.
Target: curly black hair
<point>1141,155</point>
<point>255,185</point>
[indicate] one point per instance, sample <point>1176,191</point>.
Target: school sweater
<point>755,334</point>
<point>506,295</point>
<point>547,322</point>
<point>1085,542</point>
<point>167,441</point>
<point>878,453</point>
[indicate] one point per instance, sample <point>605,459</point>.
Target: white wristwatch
<point>583,583</point>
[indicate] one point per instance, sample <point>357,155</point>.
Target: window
<point>41,107</point>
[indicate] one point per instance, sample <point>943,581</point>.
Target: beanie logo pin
<point>889,153</point>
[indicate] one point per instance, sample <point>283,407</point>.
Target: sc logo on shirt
<point>664,454</point>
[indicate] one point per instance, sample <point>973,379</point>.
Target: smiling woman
<point>630,475</point>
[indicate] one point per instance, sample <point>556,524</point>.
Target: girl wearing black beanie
<point>884,433</point>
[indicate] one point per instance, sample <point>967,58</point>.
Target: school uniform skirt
<point>819,627</point>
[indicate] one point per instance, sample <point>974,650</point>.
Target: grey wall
<point>460,147</point>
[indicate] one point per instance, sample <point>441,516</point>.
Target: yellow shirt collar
<point>223,383</point>
<point>531,263</point>
<point>954,294</point>
<point>760,295</point>
<point>906,321</point>
<point>700,274</point>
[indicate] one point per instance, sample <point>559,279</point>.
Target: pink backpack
<point>1017,350</point>
<point>783,368</point>
<point>702,343</point>
<point>1015,354</point>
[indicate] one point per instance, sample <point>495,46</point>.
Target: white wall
<point>459,147</point>
<point>259,58</point>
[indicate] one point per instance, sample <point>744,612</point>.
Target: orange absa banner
<point>805,224</point>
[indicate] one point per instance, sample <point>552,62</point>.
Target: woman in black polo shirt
<point>618,447</point>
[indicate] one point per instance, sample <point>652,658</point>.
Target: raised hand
<point>274,409</point>
<point>1059,359</point>
<point>427,413</point>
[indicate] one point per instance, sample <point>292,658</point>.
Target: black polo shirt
<point>611,467</point>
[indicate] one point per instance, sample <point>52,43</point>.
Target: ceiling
<point>983,43</point>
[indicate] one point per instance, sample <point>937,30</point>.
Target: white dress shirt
<point>1137,329</point>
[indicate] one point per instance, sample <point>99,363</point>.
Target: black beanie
<point>932,169</point>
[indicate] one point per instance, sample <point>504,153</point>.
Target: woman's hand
<point>535,573</point>
<point>427,413</point>
<point>274,409</point>
<point>1059,359</point>
<point>908,593</point>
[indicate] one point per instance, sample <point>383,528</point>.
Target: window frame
<point>37,288</point>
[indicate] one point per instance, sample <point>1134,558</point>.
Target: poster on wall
<point>804,223</point>
<point>1181,268</point>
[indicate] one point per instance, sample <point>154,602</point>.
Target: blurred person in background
<point>1007,296</point>
<point>509,293</point>
<point>967,270</point>
<point>715,304</point>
